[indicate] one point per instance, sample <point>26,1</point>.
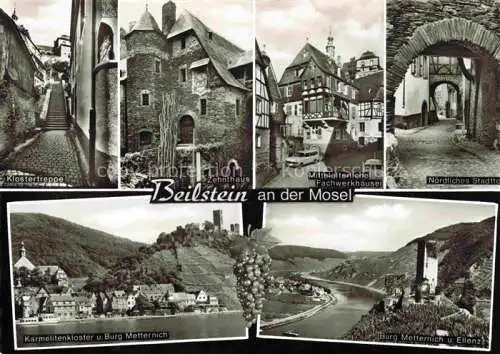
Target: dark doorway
<point>186,124</point>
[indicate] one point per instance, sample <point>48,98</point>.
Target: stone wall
<point>107,141</point>
<point>15,60</point>
<point>262,153</point>
<point>19,104</point>
<point>405,16</point>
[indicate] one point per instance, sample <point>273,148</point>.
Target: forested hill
<point>79,250</point>
<point>463,248</point>
<point>292,259</point>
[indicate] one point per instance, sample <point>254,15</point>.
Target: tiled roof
<point>24,262</point>
<point>367,55</point>
<point>54,297</point>
<point>371,87</point>
<point>181,297</point>
<point>222,53</point>
<point>52,269</point>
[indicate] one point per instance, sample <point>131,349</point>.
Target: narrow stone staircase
<point>56,115</point>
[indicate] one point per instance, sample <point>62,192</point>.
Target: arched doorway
<point>424,114</point>
<point>186,130</point>
<point>447,98</point>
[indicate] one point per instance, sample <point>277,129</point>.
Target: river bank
<point>300,316</point>
<point>332,322</point>
<point>120,318</point>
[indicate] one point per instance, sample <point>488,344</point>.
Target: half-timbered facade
<point>316,90</point>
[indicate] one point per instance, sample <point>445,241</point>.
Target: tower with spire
<point>330,47</point>
<point>23,260</point>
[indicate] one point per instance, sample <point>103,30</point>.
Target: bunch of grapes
<point>254,281</point>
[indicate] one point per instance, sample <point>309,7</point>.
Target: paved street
<point>296,177</point>
<point>431,151</point>
<point>52,154</point>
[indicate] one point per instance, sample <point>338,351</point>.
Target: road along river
<point>335,320</point>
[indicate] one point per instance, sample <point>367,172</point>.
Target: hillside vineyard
<point>249,176</point>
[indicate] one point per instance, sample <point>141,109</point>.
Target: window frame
<point>183,74</point>
<point>203,107</point>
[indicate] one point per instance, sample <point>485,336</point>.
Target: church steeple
<point>330,47</point>
<point>14,15</point>
<point>23,250</point>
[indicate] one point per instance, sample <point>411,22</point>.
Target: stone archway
<point>458,32</point>
<point>432,94</point>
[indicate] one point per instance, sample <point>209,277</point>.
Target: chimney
<point>131,25</point>
<point>168,13</point>
<point>339,60</point>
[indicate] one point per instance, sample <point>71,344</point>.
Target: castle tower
<point>217,219</point>
<point>330,47</point>
<point>168,14</point>
<point>427,264</point>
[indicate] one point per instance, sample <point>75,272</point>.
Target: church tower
<point>22,253</point>
<point>330,47</point>
<point>14,15</point>
<point>23,260</point>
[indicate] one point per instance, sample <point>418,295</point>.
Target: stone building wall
<point>220,125</point>
<point>18,102</point>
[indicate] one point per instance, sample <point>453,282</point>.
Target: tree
<point>174,307</point>
<point>208,225</point>
<point>168,135</point>
<point>468,298</point>
<point>142,304</point>
<point>61,66</point>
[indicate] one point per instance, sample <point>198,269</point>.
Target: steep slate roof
<point>322,60</point>
<point>146,23</point>
<point>371,87</point>
<point>220,51</point>
<point>244,59</point>
<point>273,84</point>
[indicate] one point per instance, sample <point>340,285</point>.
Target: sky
<point>283,27</point>
<point>368,224</point>
<point>45,19</point>
<point>230,18</point>
<point>131,217</point>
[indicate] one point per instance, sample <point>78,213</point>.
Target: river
<point>336,320</point>
<point>198,326</point>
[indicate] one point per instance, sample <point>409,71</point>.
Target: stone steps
<point>56,116</point>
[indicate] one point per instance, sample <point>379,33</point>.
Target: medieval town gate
<point>452,28</point>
